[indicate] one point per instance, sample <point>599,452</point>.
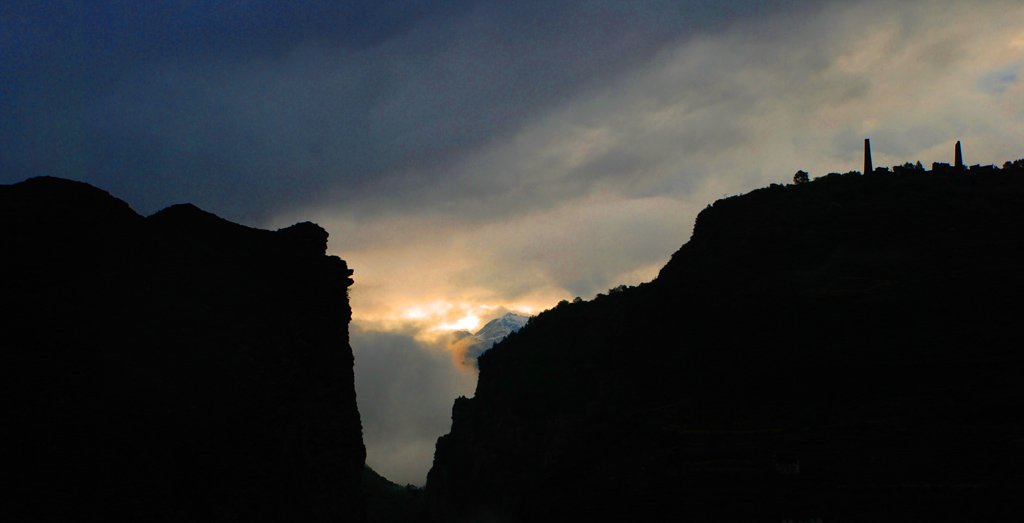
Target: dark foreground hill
<point>387,502</point>
<point>843,350</point>
<point>172,368</point>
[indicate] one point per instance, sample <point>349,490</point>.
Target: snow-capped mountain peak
<point>498,328</point>
<point>491,333</point>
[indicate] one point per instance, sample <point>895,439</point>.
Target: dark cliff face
<point>843,350</point>
<point>174,368</point>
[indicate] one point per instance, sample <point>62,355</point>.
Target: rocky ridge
<point>841,350</point>
<point>176,367</point>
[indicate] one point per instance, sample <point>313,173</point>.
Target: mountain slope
<point>173,368</point>
<point>860,331</point>
<point>492,332</point>
<point>388,502</point>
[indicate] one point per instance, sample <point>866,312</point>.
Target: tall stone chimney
<point>959,156</point>
<point>867,157</point>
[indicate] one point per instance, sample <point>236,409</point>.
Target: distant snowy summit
<point>494,331</point>
<point>498,328</point>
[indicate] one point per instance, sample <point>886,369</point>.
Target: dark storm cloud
<point>249,108</point>
<point>465,155</point>
<point>118,33</point>
<point>71,74</point>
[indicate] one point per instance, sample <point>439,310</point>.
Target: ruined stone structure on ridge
<point>958,161</point>
<point>936,166</point>
<point>867,156</point>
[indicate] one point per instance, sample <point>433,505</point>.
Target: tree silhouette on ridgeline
<point>890,392</point>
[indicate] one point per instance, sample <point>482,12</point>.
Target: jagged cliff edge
<point>173,368</point>
<point>842,350</point>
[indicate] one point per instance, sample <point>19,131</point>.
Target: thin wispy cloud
<point>473,157</point>
<point>599,190</point>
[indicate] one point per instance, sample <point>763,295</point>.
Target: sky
<point>470,158</point>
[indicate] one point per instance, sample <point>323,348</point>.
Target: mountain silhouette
<point>845,349</point>
<point>177,367</point>
<point>475,344</point>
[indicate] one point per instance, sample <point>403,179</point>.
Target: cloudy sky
<point>474,157</point>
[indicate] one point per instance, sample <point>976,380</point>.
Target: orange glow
<point>428,276</point>
<point>469,322</point>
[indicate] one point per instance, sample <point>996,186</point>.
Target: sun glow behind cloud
<point>438,313</point>
<point>469,322</point>
<point>471,158</point>
<point>601,189</point>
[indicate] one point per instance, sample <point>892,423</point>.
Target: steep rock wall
<point>174,368</point>
<point>857,330</point>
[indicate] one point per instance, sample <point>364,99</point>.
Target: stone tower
<point>867,157</point>
<point>959,156</point>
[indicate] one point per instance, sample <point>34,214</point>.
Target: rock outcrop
<point>173,368</point>
<point>842,350</point>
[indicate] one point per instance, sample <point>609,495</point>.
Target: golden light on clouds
<point>437,316</point>
<point>600,190</point>
<point>469,322</point>
<point>432,275</point>
<point>716,116</point>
